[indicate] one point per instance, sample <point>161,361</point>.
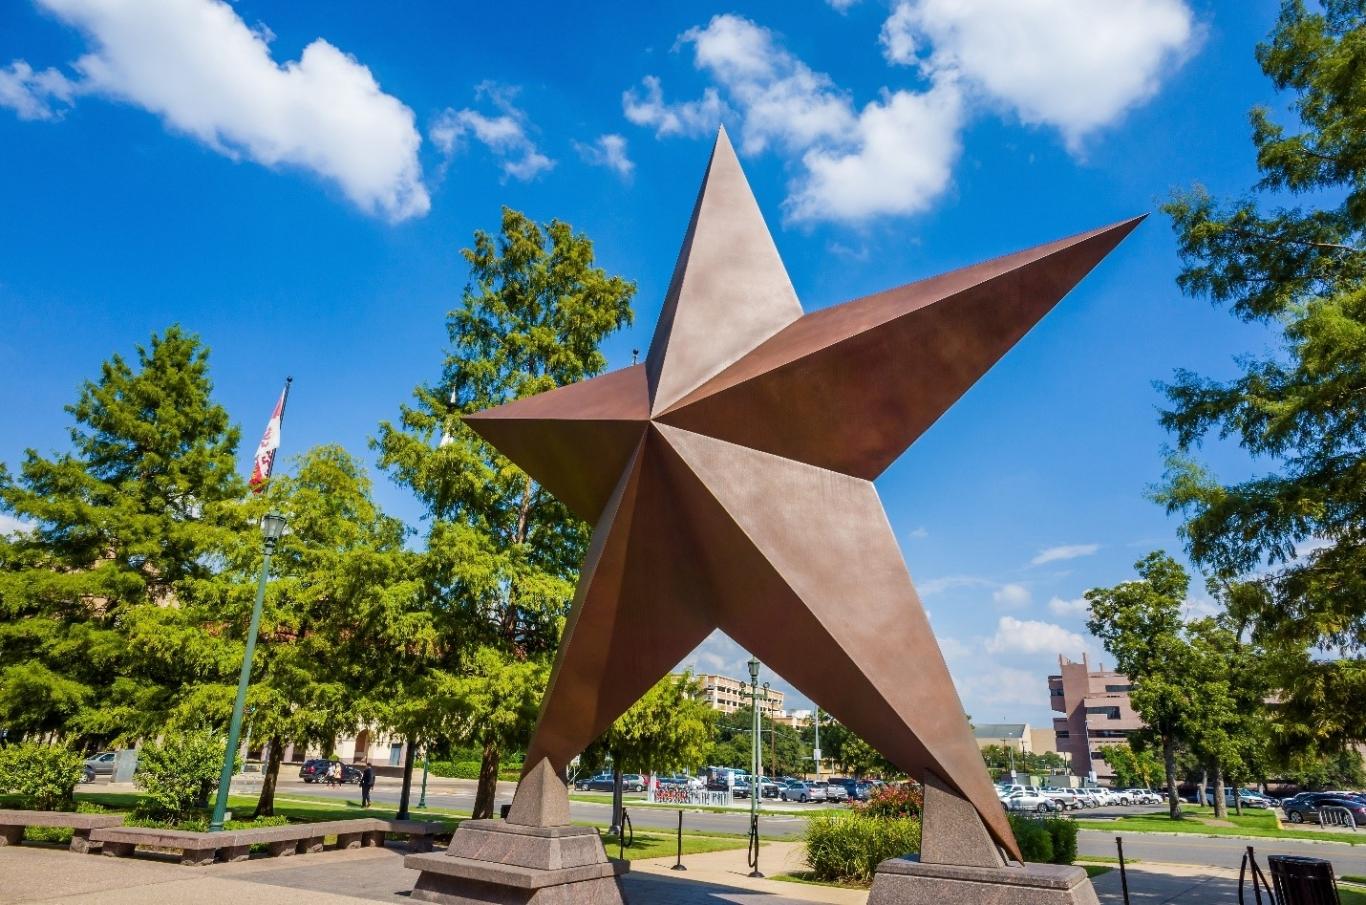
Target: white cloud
<point>1013,596</point>
<point>688,118</point>
<point>1079,606</point>
<point>893,156</point>
<point>608,151</point>
<point>918,533</point>
<point>1076,65</point>
<point>11,525</point>
<point>1065,551</point>
<point>952,582</point>
<point>1001,686</point>
<point>208,75</point>
<point>842,6</point>
<point>1200,606</point>
<point>35,95</point>
<point>504,134</point>
<point>898,37</point>
<point>1033,637</point>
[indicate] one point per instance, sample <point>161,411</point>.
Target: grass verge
<point>665,845</point>
<point>1261,826</point>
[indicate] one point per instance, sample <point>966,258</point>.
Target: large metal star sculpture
<point>729,481</point>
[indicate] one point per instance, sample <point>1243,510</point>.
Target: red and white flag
<point>270,442</point>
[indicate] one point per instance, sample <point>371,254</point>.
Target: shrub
<point>893,801</point>
<point>1051,841</point>
<point>43,776</point>
<point>460,769</point>
<point>179,774</point>
<point>847,846</point>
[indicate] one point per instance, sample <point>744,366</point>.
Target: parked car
<point>1065,799</point>
<point>1089,798</point>
<point>87,773</point>
<point>1309,807</point>
<point>632,782</point>
<point>855,789</point>
<point>835,791</point>
<point>585,783</point>
<point>316,771</point>
<point>102,763</point>
<point>1025,800</point>
<point>803,791</point>
<point>768,787</point>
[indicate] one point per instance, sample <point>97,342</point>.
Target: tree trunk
<point>1202,795</point>
<point>1169,765</point>
<point>1220,806</point>
<point>265,805</point>
<point>407,779</point>
<point>488,783</point>
<point>1238,800</point>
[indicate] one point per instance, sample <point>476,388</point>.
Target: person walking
<point>367,782</point>
<point>334,773</point>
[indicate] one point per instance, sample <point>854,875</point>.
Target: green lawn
<point>1260,824</point>
<point>665,845</point>
<point>1351,895</point>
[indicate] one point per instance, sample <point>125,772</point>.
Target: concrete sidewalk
<point>1158,884</point>
<point>48,874</point>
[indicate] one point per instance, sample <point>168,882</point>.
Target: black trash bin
<point>1303,881</point>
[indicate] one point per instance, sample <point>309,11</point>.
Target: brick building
<point>1098,713</point>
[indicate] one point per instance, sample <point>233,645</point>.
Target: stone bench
<point>280,841</point>
<point>12,824</point>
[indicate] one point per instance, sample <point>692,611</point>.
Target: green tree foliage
<point>1133,769</point>
<point>179,773</point>
<point>849,753</point>
<point>121,522</point>
<point>1139,622</point>
<point>43,776</point>
<point>669,729</point>
<point>502,554</point>
<point>1299,268</point>
<point>999,760</point>
<point>784,753</point>
<point>342,623</point>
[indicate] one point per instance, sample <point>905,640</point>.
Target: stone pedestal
<point>905,881</point>
<point>533,858</point>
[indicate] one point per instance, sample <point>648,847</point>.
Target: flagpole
<point>272,527</point>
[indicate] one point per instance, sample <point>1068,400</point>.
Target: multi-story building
<point>729,695</point>
<point>1009,735</point>
<point>1098,714</point>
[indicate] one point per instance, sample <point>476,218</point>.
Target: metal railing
<point>1335,816</point>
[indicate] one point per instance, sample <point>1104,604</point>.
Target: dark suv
<point>316,771</point>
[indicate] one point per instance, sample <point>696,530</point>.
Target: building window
<point>1064,733</point>
<point>1110,713</point>
<point>1055,692</point>
<point>1097,755</point>
<point>1119,689</point>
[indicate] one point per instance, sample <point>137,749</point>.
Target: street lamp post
<point>272,526</point>
<point>755,788</point>
<point>422,798</point>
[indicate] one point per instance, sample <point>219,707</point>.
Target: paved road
<point>459,795</point>
<point>1182,849</point>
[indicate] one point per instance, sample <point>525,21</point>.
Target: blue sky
<point>293,182</point>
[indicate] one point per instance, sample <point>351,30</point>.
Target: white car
<point>1065,799</point>
<point>1025,800</point>
<point>1090,798</point>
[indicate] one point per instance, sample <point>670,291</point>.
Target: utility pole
<point>817,753</point>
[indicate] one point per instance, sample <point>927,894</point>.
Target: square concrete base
<point>904,881</point>
<point>493,863</point>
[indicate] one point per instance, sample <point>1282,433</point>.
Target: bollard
<point>1123,873</point>
<point>679,864</point>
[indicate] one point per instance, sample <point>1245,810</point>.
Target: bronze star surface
<point>729,482</point>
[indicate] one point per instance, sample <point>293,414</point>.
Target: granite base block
<point>905,881</point>
<point>495,863</point>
